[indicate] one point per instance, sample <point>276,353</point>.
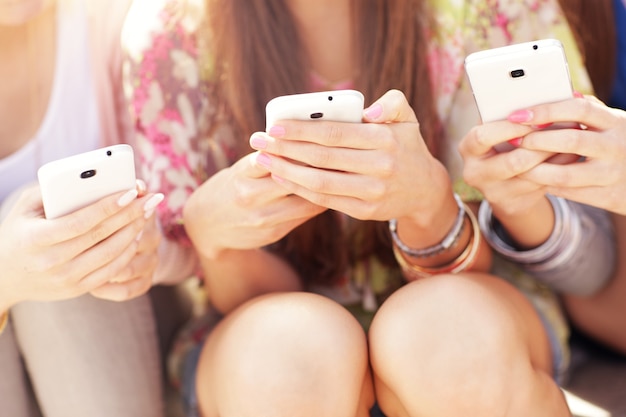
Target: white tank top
<point>70,124</point>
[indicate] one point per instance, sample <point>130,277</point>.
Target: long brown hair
<point>592,24</point>
<point>248,44</point>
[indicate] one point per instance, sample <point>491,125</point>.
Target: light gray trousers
<point>84,357</point>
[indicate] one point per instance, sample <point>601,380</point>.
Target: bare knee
<point>455,338</point>
<point>294,350</point>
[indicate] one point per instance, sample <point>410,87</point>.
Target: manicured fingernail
<point>151,204</point>
<point>127,198</point>
<point>517,142</point>
<point>543,126</point>
<point>276,131</point>
<point>258,142</point>
<point>521,116</point>
<point>578,95</point>
<point>264,160</point>
<point>373,112</point>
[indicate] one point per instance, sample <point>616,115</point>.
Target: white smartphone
<point>71,183</point>
<point>518,76</point>
<point>338,106</point>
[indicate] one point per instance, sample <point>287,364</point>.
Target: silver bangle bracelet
<point>447,242</point>
<point>558,248</point>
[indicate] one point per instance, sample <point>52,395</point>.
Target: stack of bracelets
<point>465,260</point>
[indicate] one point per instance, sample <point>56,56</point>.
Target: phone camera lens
<point>330,98</point>
<point>535,47</point>
<point>317,115</point>
<point>109,153</point>
<point>88,174</point>
<point>517,73</point>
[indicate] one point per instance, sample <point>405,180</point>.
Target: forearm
<point>235,276</point>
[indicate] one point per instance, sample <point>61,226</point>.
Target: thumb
<point>391,107</point>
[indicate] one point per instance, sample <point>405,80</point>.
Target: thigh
<point>91,357</point>
<point>15,395</point>
<point>462,345</point>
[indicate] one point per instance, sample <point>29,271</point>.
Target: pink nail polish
<point>276,131</point>
<point>127,198</point>
<point>517,142</point>
<point>258,142</point>
<point>374,111</point>
<point>152,202</point>
<point>264,160</point>
<point>521,116</point>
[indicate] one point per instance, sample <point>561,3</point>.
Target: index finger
<point>85,219</point>
<point>588,111</point>
<point>391,107</point>
<point>481,139</point>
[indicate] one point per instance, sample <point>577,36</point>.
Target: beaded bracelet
<point>446,243</point>
<point>464,261</point>
<point>4,319</point>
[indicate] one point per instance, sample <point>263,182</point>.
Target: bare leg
<point>462,346</point>
<point>603,315</point>
<point>289,354</point>
<point>15,397</point>
<point>89,357</point>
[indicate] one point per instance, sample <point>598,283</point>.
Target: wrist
<point>430,227</point>
<point>564,236</point>
<point>529,228</point>
<point>461,255</point>
<point>196,227</point>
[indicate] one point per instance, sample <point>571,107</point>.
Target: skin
<point>107,249</point>
<point>599,181</point>
<point>273,334</point>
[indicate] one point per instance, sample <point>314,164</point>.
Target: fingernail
<point>278,179</point>
<point>521,116</point>
<point>578,95</point>
<point>264,160</point>
<point>543,126</point>
<point>258,142</point>
<point>373,112</point>
<point>276,131</point>
<point>151,204</point>
<point>127,198</point>
<point>141,187</point>
<point>517,142</point>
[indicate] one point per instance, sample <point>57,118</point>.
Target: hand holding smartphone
<point>337,106</point>
<point>74,182</point>
<point>516,77</point>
